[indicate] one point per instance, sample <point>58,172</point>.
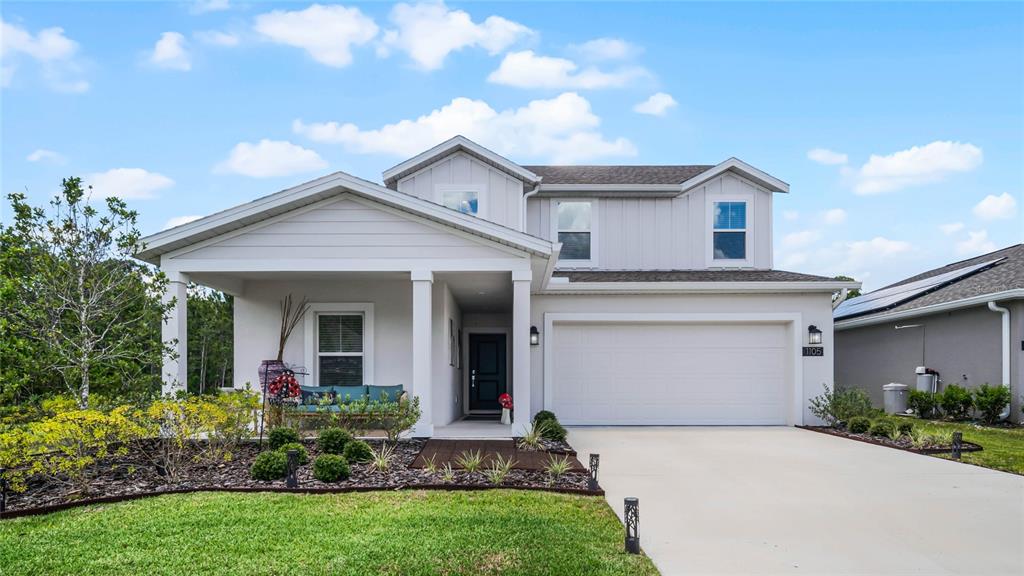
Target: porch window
<point>730,231</point>
<point>574,229</point>
<point>339,348</point>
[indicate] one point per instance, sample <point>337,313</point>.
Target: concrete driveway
<point>753,500</point>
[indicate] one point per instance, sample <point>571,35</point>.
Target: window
<point>465,201</point>
<point>730,231</point>
<point>574,228</point>
<point>339,349</point>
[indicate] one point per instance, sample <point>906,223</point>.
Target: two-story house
<point>607,294</point>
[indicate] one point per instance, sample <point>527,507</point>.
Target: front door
<point>487,371</point>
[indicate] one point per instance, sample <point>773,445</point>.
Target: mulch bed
<point>903,443</point>
<point>443,452</point>
<point>131,476</point>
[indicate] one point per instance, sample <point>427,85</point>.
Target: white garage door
<point>623,373</point>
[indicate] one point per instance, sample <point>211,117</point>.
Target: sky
<point>899,127</point>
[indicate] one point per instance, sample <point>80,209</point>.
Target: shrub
<point>234,423</point>
<point>544,415</point>
<point>531,438</point>
<point>550,428</point>
<point>330,468</point>
<point>282,435</point>
<point>358,451</point>
<point>557,466</point>
<point>270,465</point>
<point>903,425</point>
<point>333,440</point>
<point>956,402</point>
<point>303,455</point>
<point>837,407</point>
<point>859,424</point>
<point>990,401</point>
<point>923,403</point>
<point>172,427</point>
<point>382,458</point>
<point>882,427</point>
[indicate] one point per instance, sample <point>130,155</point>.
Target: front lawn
<point>1003,448</point>
<point>400,533</point>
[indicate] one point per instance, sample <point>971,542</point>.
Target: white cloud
<point>179,220</point>
<point>606,49</point>
<point>528,70</point>
<point>326,33</point>
<point>951,228</point>
<point>217,38</point>
<point>834,216</point>
<point>561,130</point>
<point>269,158</point>
<point>132,183</point>
<point>428,32</point>
<point>55,53</point>
<point>977,242</point>
<point>800,239</point>
<point>878,257</point>
<point>44,155</point>
<point>171,52</point>
<point>791,215</point>
<point>827,157</point>
<point>657,105</point>
<point>994,207</point>
<point>204,6</point>
<point>916,166</point>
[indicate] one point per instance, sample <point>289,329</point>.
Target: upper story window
<point>465,199</point>
<point>730,231</point>
<point>574,227</point>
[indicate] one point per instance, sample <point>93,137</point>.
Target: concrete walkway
<point>755,500</point>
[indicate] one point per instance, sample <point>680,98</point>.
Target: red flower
<point>506,401</point>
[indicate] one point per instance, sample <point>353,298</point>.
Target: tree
<point>851,293</point>
<point>82,296</point>
<point>210,339</point>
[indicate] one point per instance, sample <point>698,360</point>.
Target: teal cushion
<point>389,393</point>
<point>349,393</point>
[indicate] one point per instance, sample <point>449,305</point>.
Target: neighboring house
<point>647,291</point>
<point>964,320</point>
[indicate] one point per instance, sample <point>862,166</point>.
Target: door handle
<point>472,378</point>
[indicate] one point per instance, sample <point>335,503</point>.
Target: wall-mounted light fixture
<point>813,335</point>
<point>534,336</point>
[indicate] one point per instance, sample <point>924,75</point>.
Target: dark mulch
<point>903,443</point>
<point>447,452</point>
<point>133,475</point>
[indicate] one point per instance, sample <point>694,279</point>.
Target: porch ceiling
<point>479,291</point>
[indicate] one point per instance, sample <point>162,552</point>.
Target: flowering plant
<point>506,401</point>
<point>284,386</point>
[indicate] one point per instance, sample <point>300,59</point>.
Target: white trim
<point>980,300</point>
<point>479,189</point>
<point>794,321</point>
<point>458,143</point>
<point>346,265</point>
<point>507,331</point>
<point>310,326</point>
<point>594,231</point>
<point>692,287</point>
<point>609,189</point>
<point>759,177</point>
<point>749,215</point>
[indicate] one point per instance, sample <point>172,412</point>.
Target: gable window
<point>339,349</point>
<point>574,228</point>
<point>461,198</point>
<point>730,231</point>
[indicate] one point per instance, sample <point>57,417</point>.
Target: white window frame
<point>480,189</point>
<point>748,245</point>
<point>566,263</point>
<point>311,347</point>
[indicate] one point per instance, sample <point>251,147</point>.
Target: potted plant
<point>506,408</point>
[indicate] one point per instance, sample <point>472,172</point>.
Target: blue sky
<point>900,127</point>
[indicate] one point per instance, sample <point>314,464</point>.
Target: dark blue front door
<point>487,371</point>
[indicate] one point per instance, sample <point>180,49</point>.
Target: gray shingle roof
<point>687,276</point>
<point>616,174</point>
<point>1006,275</point>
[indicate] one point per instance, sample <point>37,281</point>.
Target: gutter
<point>925,310</point>
<point>1005,349</point>
<point>693,287</point>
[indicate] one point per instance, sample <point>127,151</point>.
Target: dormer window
<point>461,198</point>
<point>574,227</point>
<point>730,231</point>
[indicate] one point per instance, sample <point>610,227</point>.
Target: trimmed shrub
<point>956,402</point>
<point>358,451</point>
<point>990,401</point>
<point>281,435</point>
<point>882,427</point>
<point>330,468</point>
<point>550,428</point>
<point>544,415</point>
<point>924,403</point>
<point>836,407</point>
<point>903,425</point>
<point>333,440</point>
<point>858,424</point>
<point>303,454</point>
<point>271,465</point>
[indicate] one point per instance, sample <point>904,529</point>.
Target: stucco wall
<point>447,397</point>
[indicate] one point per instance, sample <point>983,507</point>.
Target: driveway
<point>761,500</point>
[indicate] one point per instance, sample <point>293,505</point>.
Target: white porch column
<point>422,364</point>
<point>521,351</point>
<point>175,367</point>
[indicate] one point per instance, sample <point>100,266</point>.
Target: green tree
<point>851,293</point>
<point>210,339</point>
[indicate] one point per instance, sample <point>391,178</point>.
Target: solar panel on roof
<point>890,297</point>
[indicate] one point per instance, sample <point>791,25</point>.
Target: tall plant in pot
<point>270,370</point>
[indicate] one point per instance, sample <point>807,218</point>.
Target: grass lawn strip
<point>1003,448</point>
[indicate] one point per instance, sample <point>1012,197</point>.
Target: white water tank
<point>926,379</point>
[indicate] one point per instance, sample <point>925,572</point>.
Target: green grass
<point>1003,447</point>
<point>406,533</point>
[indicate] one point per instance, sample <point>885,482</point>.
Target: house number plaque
<point>814,351</point>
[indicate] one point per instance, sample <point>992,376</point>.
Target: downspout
<point>536,188</point>
<point>842,298</point>
<point>1005,351</point>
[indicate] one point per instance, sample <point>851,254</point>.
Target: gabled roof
<point>313,191</point>
<point>457,144</point>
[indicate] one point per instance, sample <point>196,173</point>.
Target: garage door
<point>625,373</point>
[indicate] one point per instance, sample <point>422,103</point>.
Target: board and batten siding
<point>666,233</point>
<point>501,195</point>
<point>346,228</point>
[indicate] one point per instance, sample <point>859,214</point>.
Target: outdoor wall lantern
<point>534,336</point>
<point>813,335</point>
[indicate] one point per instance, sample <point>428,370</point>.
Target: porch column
<point>174,331</point>
<point>422,366</point>
<point>521,351</point>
